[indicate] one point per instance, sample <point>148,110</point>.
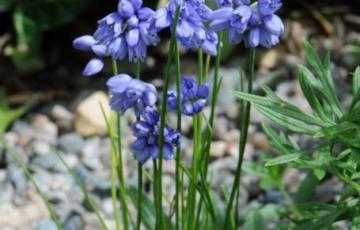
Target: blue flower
<point>127,92</point>
<point>227,3</point>
<point>146,132</point>
<point>256,25</point>
<point>122,34</point>
<point>193,97</point>
<point>191,31</point>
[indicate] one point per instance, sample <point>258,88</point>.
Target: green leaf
<point>309,92</point>
<point>8,115</point>
<point>306,189</point>
<point>283,113</point>
<point>26,55</point>
<point>49,14</point>
<point>288,122</point>
<point>254,220</point>
<point>319,173</point>
<point>148,208</point>
<point>283,159</point>
<point>324,222</point>
<point>335,130</point>
<point>356,82</point>
<point>324,73</point>
<point>276,140</point>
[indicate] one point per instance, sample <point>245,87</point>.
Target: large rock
<point>89,120</point>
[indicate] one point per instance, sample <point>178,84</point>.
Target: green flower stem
<point>207,67</point>
<point>244,133</point>
<point>177,169</point>
<point>213,105</point>
<point>196,153</point>
<point>140,171</point>
<point>155,169</point>
<point>124,207</point>
<point>163,119</point>
<point>140,186</point>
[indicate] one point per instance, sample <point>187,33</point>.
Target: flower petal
<point>84,42</point>
<point>132,37</point>
<point>93,67</point>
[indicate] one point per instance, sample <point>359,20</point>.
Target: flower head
<point>121,34</point>
<point>193,97</point>
<point>128,92</point>
<point>147,134</point>
<point>191,31</point>
<point>255,25</point>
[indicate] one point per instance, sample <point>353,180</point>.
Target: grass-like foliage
<point>335,131</point>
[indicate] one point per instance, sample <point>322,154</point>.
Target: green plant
<point>336,129</point>
<point>8,115</point>
<point>30,19</point>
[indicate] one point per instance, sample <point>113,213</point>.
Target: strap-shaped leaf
<point>293,124</point>
<point>309,92</point>
<point>282,159</point>
<point>281,108</point>
<point>356,82</point>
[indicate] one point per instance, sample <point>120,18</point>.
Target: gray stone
<point>93,162</point>
<point>273,196</point>
<point>49,162</point>
<point>46,224</point>
<point>230,82</point>
<point>74,222</point>
<point>44,129</point>
<point>17,177</point>
<point>71,142</point>
<point>63,117</point>
<point>91,147</point>
<point>40,147</point>
<point>82,173</point>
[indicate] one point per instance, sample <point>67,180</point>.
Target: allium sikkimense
<point>256,24</point>
<point>121,34</point>
<point>193,97</point>
<point>191,31</point>
<point>146,131</point>
<point>127,92</point>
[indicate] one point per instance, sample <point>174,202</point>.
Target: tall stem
<point>213,104</point>
<point>163,118</point>
<point>139,205</point>
<point>124,206</point>
<point>243,138</point>
<point>196,152</point>
<point>177,170</point>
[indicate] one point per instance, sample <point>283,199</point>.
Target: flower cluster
<point>147,133</point>
<point>121,34</point>
<point>193,97</point>
<point>129,93</point>
<point>191,31</point>
<point>255,24</point>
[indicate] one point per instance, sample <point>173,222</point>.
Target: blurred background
<point>45,102</point>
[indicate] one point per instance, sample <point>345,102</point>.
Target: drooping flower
<point>255,25</point>
<point>147,134</point>
<point>127,92</point>
<point>191,31</point>
<point>193,97</point>
<point>121,34</point>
